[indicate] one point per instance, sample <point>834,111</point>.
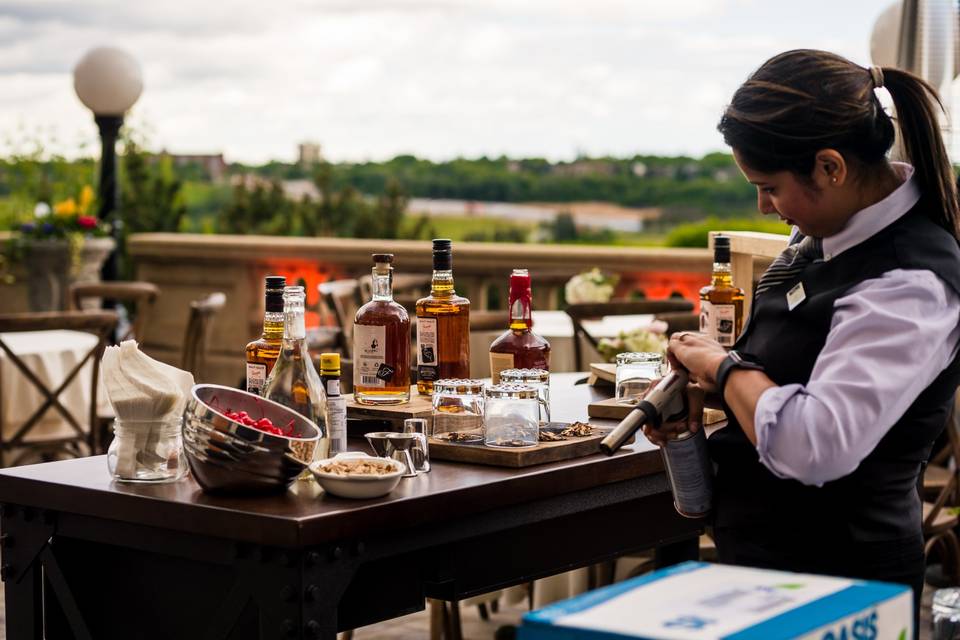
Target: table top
<point>24,343</point>
<point>305,515</point>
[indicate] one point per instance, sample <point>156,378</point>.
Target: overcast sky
<point>370,79</point>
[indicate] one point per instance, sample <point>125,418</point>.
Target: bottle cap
<point>383,257</point>
<point>274,293</point>
<point>275,282</point>
<point>721,248</point>
<point>442,244</point>
<point>442,255</point>
<point>520,284</point>
<point>330,362</point>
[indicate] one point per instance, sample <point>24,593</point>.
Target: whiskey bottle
<point>294,382</point>
<point>519,347</point>
<point>381,342</point>
<point>443,326</point>
<point>263,353</point>
<point>336,403</point>
<point>721,303</point>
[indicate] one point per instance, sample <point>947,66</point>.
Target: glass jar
<point>636,371</point>
<point>539,379</point>
<point>457,410</point>
<point>946,614</point>
<point>146,451</point>
<point>511,416</point>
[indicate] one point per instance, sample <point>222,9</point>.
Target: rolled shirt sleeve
<point>890,337</point>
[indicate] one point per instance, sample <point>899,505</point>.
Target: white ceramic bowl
<point>358,486</point>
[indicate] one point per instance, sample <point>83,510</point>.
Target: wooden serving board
<point>602,373</point>
<point>517,458</point>
<point>613,410</point>
<point>418,407</point>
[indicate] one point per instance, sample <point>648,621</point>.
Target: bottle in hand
<point>519,347</point>
<point>721,303</point>
<point>381,342</point>
<point>294,382</point>
<point>336,404</point>
<point>443,325</point>
<point>263,352</point>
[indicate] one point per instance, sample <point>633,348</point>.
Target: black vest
<point>820,528</point>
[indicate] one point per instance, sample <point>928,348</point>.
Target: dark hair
<point>802,101</point>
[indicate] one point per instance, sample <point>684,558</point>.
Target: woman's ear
<point>830,169</point>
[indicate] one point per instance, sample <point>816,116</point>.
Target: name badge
<point>795,296</point>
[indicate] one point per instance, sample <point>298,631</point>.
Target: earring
<point>833,180</point>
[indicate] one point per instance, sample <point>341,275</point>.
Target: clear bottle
<point>262,354</point>
<point>294,381</point>
<point>381,342</point>
<point>443,325</point>
<point>519,347</point>
<point>336,404</point>
<point>721,303</point>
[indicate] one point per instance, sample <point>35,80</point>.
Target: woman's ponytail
<point>917,108</point>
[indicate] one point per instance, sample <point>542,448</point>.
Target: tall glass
<point>636,371</point>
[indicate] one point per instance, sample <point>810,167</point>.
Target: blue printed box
<point>699,601</point>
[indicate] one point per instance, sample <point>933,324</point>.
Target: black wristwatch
<point>735,360</point>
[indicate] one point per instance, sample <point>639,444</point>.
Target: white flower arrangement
<point>590,286</point>
<point>650,339</point>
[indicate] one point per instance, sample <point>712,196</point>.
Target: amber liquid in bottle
<point>721,303</point>
<point>262,353</point>
<point>519,347</point>
<point>443,326</point>
<point>381,343</point>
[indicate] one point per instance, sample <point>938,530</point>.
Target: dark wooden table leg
<point>676,552</point>
<point>24,535</point>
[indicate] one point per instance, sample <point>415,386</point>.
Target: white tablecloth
<point>556,327</point>
<point>51,356</point>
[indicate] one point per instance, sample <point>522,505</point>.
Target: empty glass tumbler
<point>636,370</point>
<point>511,416</point>
<point>539,379</point>
<point>458,410</point>
<point>946,614</point>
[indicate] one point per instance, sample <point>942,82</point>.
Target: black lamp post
<point>108,81</point>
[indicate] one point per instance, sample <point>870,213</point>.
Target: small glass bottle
<point>519,347</point>
<point>721,303</point>
<point>336,403</point>
<point>294,382</point>
<point>263,353</point>
<point>381,342</point>
<point>443,325</point>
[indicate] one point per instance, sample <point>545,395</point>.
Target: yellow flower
<point>86,199</point>
<point>66,208</point>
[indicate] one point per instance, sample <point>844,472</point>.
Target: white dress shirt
<point>890,337</point>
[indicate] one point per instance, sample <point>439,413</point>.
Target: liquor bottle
<point>294,382</point>
<point>519,347</point>
<point>721,303</point>
<point>336,404</point>
<point>443,326</point>
<point>381,342</point>
<point>263,353</point>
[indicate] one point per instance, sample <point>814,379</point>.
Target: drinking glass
<point>420,450</point>
<point>511,416</point>
<point>946,614</point>
<point>539,379</point>
<point>636,371</point>
<point>457,410</point>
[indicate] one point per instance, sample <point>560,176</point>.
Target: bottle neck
<point>442,283</point>
<point>273,326</point>
<point>520,313</point>
<point>721,274</point>
<point>294,328</point>
<point>383,286</point>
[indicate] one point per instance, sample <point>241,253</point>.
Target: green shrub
<point>696,234</point>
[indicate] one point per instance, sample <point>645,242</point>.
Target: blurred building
<point>308,154</point>
<point>212,165</point>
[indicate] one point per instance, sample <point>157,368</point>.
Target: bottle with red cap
<point>519,347</point>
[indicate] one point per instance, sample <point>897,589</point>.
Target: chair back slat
<point>341,299</point>
<point>142,295</point>
<point>197,336</point>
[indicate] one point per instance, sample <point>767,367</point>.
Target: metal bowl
<point>228,456</point>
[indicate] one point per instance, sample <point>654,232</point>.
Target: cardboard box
<point>699,601</point>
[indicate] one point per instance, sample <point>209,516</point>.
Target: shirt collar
<point>873,219</point>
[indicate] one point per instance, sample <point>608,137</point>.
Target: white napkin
<point>145,394</point>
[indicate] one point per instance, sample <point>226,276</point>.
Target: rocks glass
<point>511,416</point>
<point>458,410</point>
<point>946,614</point>
<point>146,451</point>
<point>636,370</point>
<point>536,378</point>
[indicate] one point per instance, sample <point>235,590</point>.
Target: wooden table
<point>168,561</point>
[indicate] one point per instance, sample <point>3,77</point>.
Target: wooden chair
<point>939,523</point>
<point>140,295</point>
<point>341,299</point>
<point>196,339</point>
<point>20,445</point>
<point>596,310</point>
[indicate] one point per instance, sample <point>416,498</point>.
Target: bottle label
<point>337,424</point>
<point>333,388</point>
<point>499,362</point>
<point>256,377</point>
<point>428,358</point>
<point>369,349</point>
<point>722,323</point>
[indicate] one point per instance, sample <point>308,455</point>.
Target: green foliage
<point>150,194</point>
<point>697,234</point>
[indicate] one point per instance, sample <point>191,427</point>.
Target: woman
<point>844,374</point>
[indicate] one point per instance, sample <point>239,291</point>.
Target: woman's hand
<point>699,355</point>
<point>670,430</point>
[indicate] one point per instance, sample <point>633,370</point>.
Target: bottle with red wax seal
<point>519,347</point>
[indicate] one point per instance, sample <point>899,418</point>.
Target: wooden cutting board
<point>602,373</point>
<point>418,407</point>
<point>517,458</point>
<point>613,410</point>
